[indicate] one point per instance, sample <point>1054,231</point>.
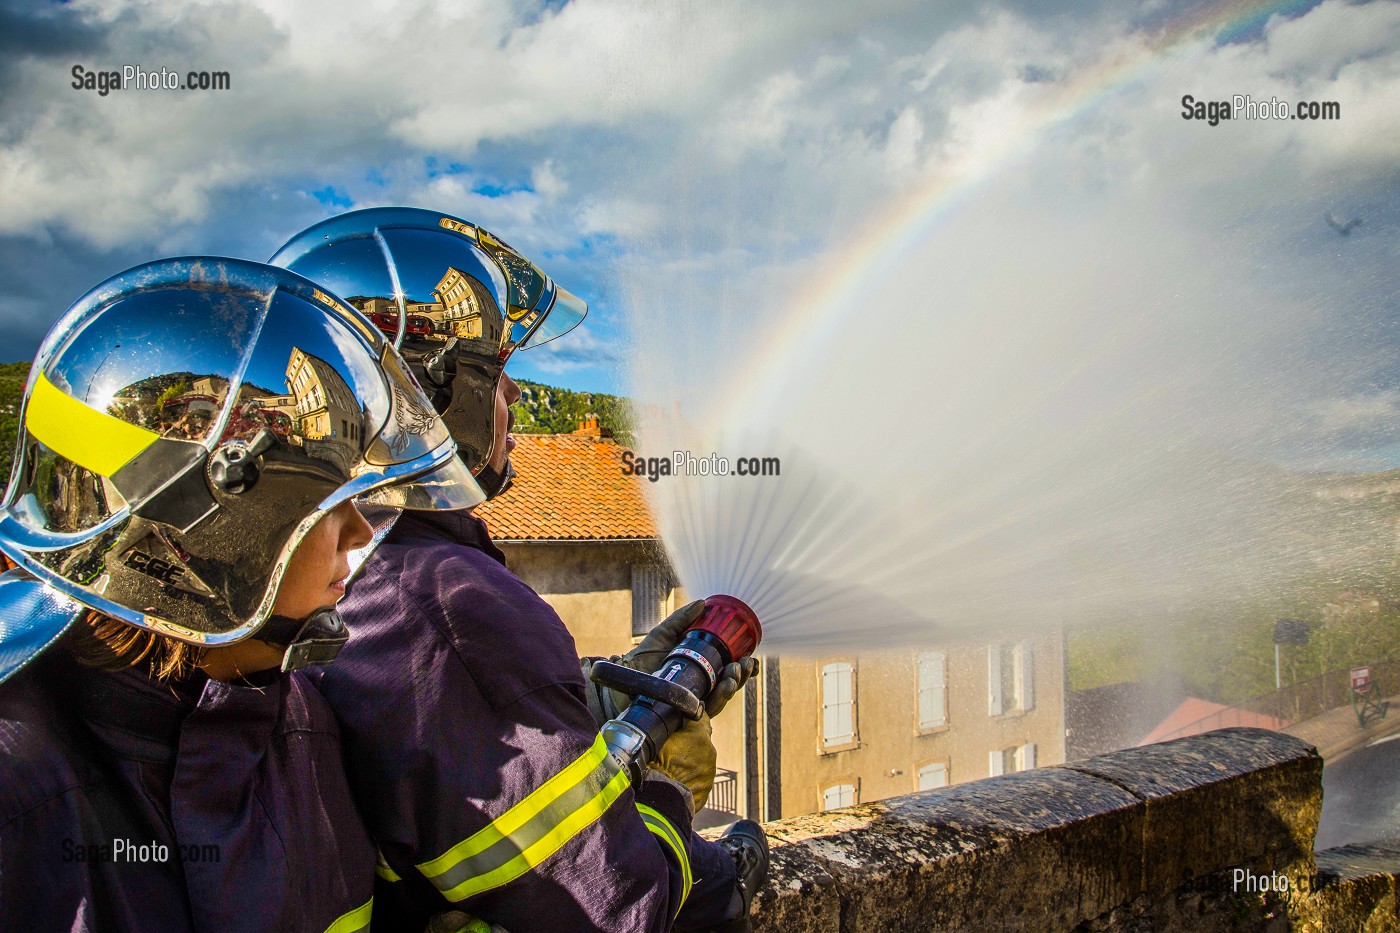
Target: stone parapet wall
<point>1211,832</point>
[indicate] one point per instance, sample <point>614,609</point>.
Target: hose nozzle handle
<point>637,684</point>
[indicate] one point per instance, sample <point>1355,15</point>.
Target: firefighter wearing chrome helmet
<point>455,299</point>
<point>470,742</point>
<point>194,436</point>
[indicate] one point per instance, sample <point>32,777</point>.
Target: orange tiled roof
<point>1193,712</point>
<point>570,487</point>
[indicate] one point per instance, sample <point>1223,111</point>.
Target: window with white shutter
<point>933,775</point>
<point>1011,678</point>
<point>933,689</point>
<point>994,693</point>
<point>1025,675</point>
<point>839,795</point>
<point>838,704</point>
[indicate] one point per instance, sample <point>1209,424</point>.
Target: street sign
<point>1366,695</point>
<point>1291,632</point>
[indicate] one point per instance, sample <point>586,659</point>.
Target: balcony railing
<point>725,796</point>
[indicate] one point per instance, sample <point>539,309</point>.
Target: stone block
<point>1032,851</point>
<point>1227,798</point>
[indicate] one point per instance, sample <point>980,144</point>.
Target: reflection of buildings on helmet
<point>464,316</point>
<point>470,312</point>
<point>459,300</point>
<point>324,405</point>
<point>160,479</point>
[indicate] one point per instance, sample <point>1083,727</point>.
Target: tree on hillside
<point>13,377</point>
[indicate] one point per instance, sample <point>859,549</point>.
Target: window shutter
<point>932,689</point>
<point>651,584</point>
<point>994,702</point>
<point>1028,675</point>
<point>838,704</point>
<point>1027,757</point>
<point>932,776</point>
<point>995,762</point>
<point>839,795</point>
<point>852,713</point>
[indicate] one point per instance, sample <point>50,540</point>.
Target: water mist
<point>1032,414</point>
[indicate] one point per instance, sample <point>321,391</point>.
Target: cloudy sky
<point>707,162</point>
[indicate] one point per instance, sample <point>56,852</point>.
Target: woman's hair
<point>108,644</point>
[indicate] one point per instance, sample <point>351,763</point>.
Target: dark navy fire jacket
<point>475,759</point>
<point>126,804</point>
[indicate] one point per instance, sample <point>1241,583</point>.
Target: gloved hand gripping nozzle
<point>727,631</point>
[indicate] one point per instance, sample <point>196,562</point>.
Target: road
<point>1361,796</point>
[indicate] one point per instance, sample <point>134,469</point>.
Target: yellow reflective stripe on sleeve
<point>354,921</point>
<point>663,829</point>
<point>382,869</point>
<point>90,438</point>
<point>532,830</point>
<point>474,926</point>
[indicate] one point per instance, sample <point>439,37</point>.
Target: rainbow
<point>880,248</point>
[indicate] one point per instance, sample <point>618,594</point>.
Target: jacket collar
<point>459,527</point>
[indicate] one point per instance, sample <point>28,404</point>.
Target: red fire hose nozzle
<point>727,631</point>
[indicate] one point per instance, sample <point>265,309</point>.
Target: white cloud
<point>578,349</point>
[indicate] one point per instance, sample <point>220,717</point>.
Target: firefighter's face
<point>315,576</point>
<point>507,394</point>
<point>314,579</point>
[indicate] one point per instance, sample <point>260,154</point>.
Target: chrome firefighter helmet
<point>456,299</point>
<point>185,424</point>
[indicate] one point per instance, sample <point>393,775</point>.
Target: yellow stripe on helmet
<point>90,438</point>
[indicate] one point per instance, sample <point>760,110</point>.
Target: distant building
<point>469,313</point>
<point>1194,716</point>
<point>816,733</point>
<point>325,408</point>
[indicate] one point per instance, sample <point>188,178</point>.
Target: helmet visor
<point>563,316</point>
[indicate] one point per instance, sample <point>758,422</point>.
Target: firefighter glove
<point>689,757</point>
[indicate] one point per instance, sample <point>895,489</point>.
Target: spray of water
<point>1079,419</point>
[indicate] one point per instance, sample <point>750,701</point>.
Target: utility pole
<point>1286,632</point>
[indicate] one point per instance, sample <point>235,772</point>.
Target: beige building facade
<point>821,733</point>
<point>596,587</point>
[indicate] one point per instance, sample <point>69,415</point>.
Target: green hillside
<point>12,379</point>
<point>545,409</point>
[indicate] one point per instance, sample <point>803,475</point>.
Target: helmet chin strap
<point>492,482</point>
<point>315,640</point>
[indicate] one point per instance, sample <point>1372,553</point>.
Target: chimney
<point>590,427</point>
